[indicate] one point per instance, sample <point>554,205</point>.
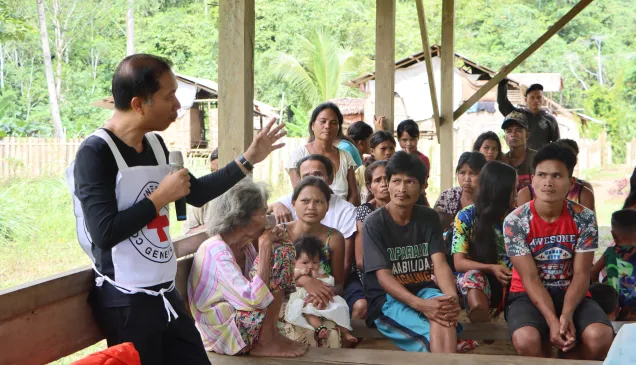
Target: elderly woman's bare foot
<point>296,344</point>
<point>275,348</point>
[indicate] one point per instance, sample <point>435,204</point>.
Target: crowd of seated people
<point>516,236</point>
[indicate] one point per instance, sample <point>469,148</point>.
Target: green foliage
<point>299,127</point>
<point>309,66</point>
<point>320,71</point>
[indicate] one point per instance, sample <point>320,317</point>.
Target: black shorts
<point>353,290</point>
<point>520,312</point>
<point>145,323</point>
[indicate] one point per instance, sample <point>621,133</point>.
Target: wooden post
<point>236,77</point>
<point>522,57</point>
<point>429,64</point>
<point>385,62</point>
<point>448,71</point>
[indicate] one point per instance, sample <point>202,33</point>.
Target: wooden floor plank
<point>322,356</point>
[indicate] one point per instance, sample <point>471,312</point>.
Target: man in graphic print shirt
<point>551,243</point>
<point>402,243</point>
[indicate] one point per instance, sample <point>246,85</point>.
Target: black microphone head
<point>175,158</point>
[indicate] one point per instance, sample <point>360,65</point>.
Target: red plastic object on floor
<point>122,354</point>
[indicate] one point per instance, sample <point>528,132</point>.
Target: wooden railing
<point>47,319</point>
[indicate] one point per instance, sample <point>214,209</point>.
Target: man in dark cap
<point>542,125</point>
<point>520,156</point>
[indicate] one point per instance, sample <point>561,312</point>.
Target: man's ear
<point>527,135</point>
<point>615,237</point>
<point>137,104</point>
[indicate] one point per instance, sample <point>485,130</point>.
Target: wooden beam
<point>236,77</point>
<point>421,16</point>
<point>447,161</point>
<point>385,62</point>
<point>327,356</point>
<point>522,57</point>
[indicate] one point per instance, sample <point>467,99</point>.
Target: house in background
<point>198,98</point>
<point>413,101</point>
<point>352,110</point>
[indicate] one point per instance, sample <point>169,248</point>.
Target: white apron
<point>146,258</point>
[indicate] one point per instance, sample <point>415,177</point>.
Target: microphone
<point>175,159</point>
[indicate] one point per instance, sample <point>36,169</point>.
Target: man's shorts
<point>520,312</point>
<point>407,328</point>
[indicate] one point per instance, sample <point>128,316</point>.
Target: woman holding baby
<point>235,293</point>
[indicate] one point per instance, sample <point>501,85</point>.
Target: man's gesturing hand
<point>264,143</point>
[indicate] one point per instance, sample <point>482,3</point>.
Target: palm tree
<point>319,73</point>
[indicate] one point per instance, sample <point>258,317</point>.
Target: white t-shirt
<point>340,185</point>
<point>341,214</point>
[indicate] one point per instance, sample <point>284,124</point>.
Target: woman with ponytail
<point>478,247</point>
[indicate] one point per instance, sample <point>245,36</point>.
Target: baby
<point>299,313</point>
<point>619,262</point>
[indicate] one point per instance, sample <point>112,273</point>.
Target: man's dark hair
<point>571,144</point>
<point>624,222</point>
<point>475,160</point>
<point>318,110</point>
<point>488,136</point>
<point>410,127</point>
<point>214,155</point>
<point>137,76</point>
<point>606,297</point>
<point>407,164</point>
<point>320,158</point>
<point>312,181</point>
<point>534,87</point>
<point>359,131</point>
<point>558,152</point>
<point>310,246</point>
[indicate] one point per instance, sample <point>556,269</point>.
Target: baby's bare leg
<point>316,322</point>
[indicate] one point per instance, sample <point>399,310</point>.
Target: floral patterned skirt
<point>473,279</point>
<point>281,278</point>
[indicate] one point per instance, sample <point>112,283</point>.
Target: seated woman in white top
<point>324,126</point>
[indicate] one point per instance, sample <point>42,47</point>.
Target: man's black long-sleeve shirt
<point>95,181</point>
<point>543,126</point>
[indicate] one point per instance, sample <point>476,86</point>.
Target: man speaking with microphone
<point>122,185</point>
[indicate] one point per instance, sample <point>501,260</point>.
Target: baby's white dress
<point>337,311</point>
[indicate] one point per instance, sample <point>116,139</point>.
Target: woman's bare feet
<point>299,346</point>
<point>275,347</point>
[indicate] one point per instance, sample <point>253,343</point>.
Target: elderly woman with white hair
<point>235,293</point>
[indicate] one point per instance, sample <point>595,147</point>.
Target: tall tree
<point>130,28</point>
<point>48,69</point>
<point>320,71</point>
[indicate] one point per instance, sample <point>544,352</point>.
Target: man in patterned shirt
<point>551,243</point>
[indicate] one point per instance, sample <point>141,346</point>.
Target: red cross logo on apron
<point>159,223</point>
